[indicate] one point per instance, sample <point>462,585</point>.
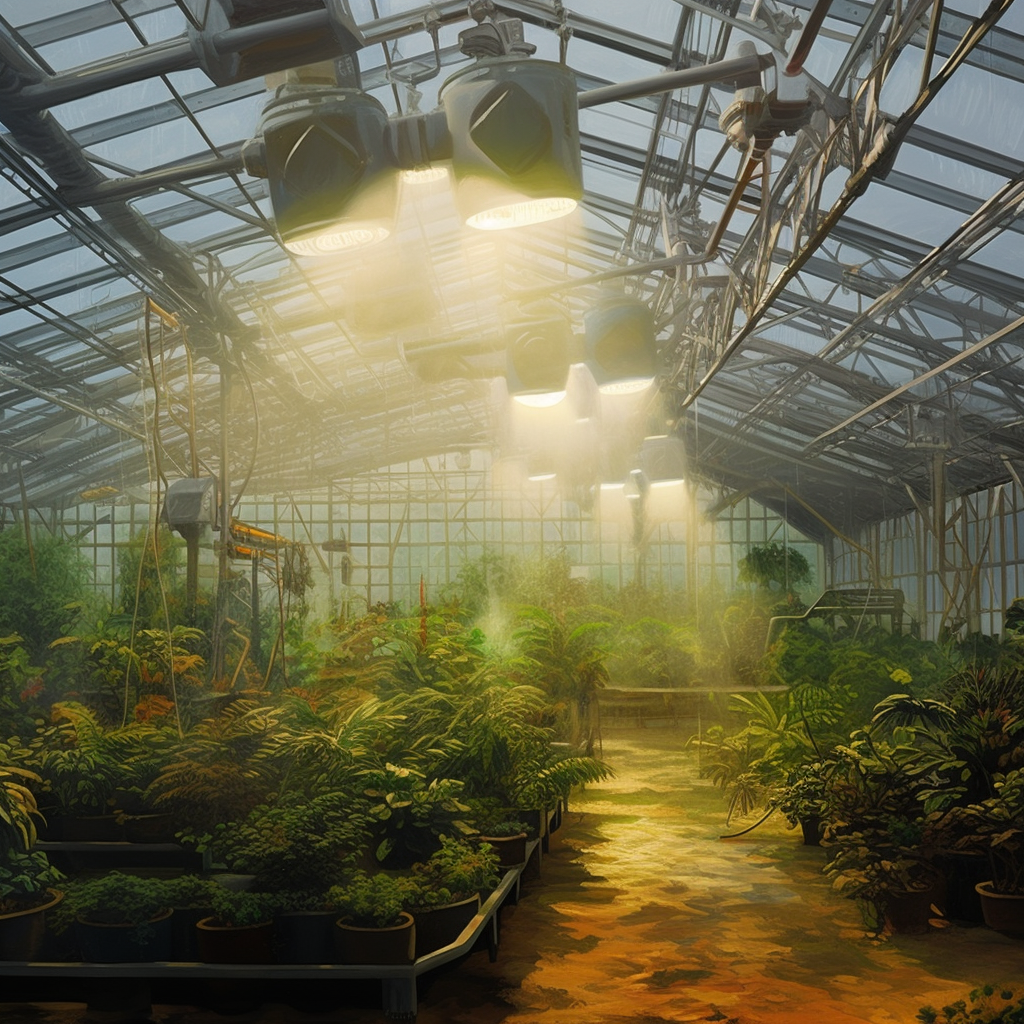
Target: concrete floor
<point>643,915</point>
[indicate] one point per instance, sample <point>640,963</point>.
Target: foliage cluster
<point>988,1004</point>
<point>905,750</point>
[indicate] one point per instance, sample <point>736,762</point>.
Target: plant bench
<point>398,981</point>
<point>851,606</point>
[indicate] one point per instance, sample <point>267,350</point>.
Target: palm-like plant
<point>568,663</point>
<point>215,773</point>
<point>18,810</point>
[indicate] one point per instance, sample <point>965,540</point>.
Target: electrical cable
<point>760,821</point>
<point>154,527</point>
<point>256,435</point>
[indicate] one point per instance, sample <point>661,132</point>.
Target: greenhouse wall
<point>980,574</point>
<point>428,518</point>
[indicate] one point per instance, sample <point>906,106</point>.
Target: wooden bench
<point>852,607</point>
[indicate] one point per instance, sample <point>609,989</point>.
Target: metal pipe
<point>742,180</point>
<point>802,47</point>
<point>726,71</point>
<point>149,181</point>
<point>147,62</point>
<point>929,49</point>
<point>65,403</point>
<point>245,37</point>
<point>971,350</point>
<point>855,186</point>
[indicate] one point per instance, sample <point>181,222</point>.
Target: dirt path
<point>645,915</point>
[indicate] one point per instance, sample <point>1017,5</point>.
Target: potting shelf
<point>398,981</point>
<point>82,855</point>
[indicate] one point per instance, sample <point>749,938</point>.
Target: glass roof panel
<point>89,47</point>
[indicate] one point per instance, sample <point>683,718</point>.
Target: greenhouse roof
<point>828,328</point>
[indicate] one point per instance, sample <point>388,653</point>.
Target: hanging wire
<point>243,369</point>
<point>153,528</point>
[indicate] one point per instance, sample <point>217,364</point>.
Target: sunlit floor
<point>643,915</point>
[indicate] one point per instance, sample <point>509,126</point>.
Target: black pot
<point>811,829</point>
<point>184,946</point>
<point>1003,913</point>
<point>511,850</point>
<point>115,943</point>
<point>437,927</point>
<point>963,872</point>
<point>305,937</point>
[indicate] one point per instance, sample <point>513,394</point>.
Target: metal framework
<point>835,327</point>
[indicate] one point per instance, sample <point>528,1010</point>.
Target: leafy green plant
<point>217,772</point>
<point>653,652</point>
<point>994,827</point>
<point>22,685</point>
<point>25,875</point>
<point>115,898</point>
<point>242,908</point>
<point>412,814</point>
<point>567,661</point>
<point>504,829</point>
<point>42,587</point>
<point>191,891</point>
<point>805,793</point>
<point>544,782</point>
<point>455,871</point>
<point>86,767</point>
<point>989,1004</point>
<point>18,810</point>
<point>294,844</point>
<point>774,567</point>
<point>881,844</point>
<point>371,901</point>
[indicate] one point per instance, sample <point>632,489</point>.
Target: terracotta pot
<point>394,945</point>
<point>1004,913</point>
<point>440,926</point>
<point>305,937</point>
<point>511,850</point>
<point>115,943</point>
<point>235,944</point>
<point>22,931</point>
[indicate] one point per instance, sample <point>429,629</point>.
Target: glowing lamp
<point>663,461</point>
<point>515,142</point>
<point>537,360</point>
<point>332,184</point>
<point>619,345</point>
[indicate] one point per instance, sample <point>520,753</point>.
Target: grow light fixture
<point>333,184</point>
<point>537,360</point>
<point>514,129</point>
<point>662,461</point>
<point>619,345</point>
